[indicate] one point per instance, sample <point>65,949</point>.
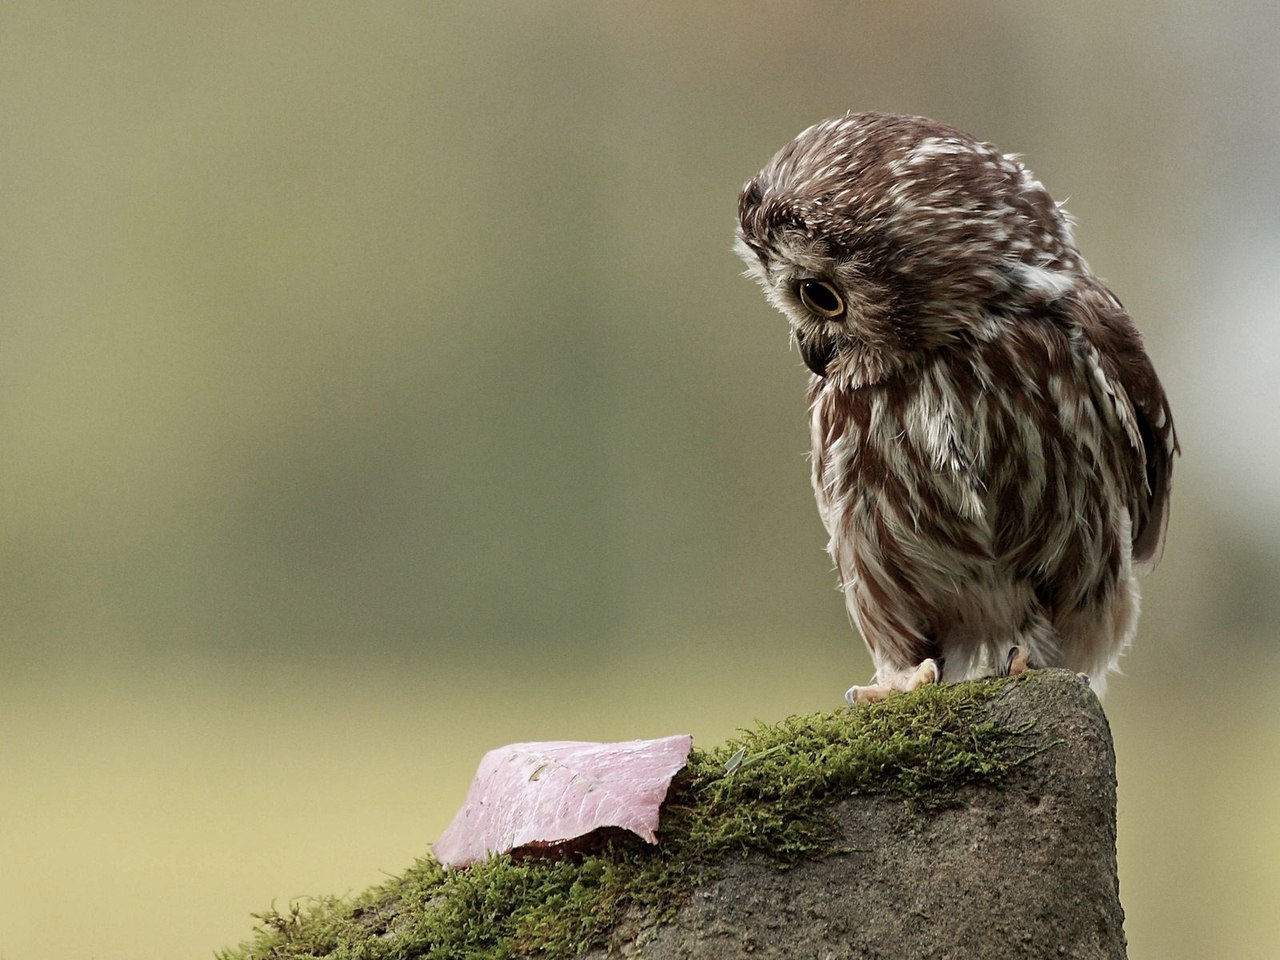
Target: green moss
<point>770,792</point>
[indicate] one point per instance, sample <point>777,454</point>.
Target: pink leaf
<point>551,792</point>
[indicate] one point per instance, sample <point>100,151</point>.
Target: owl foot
<point>1017,663</point>
<point>928,672</point>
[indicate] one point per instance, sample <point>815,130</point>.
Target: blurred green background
<point>377,387</point>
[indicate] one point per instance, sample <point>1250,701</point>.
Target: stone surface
<point>1025,871</point>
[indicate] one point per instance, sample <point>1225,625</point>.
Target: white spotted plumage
<point>991,447</point>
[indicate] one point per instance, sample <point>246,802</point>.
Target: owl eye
<point>821,298</point>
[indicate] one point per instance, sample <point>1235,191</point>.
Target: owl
<point>991,447</point>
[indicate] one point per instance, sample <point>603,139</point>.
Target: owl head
<point>882,237</point>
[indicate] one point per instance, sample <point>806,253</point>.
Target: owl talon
<point>1017,663</point>
<point>928,671</point>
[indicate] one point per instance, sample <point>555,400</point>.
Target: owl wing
<point>1124,372</point>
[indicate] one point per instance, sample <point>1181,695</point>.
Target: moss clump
<point>769,791</point>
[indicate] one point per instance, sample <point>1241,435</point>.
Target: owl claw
<point>928,671</point>
<point>1017,662</point>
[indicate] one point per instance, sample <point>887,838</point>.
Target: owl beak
<point>818,352</point>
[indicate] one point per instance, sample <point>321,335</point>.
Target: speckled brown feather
<point>992,449</point>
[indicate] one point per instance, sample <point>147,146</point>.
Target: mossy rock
<point>968,820</point>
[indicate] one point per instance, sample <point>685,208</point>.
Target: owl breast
<point>964,519</point>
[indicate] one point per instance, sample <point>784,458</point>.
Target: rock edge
<point>1024,871</point>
